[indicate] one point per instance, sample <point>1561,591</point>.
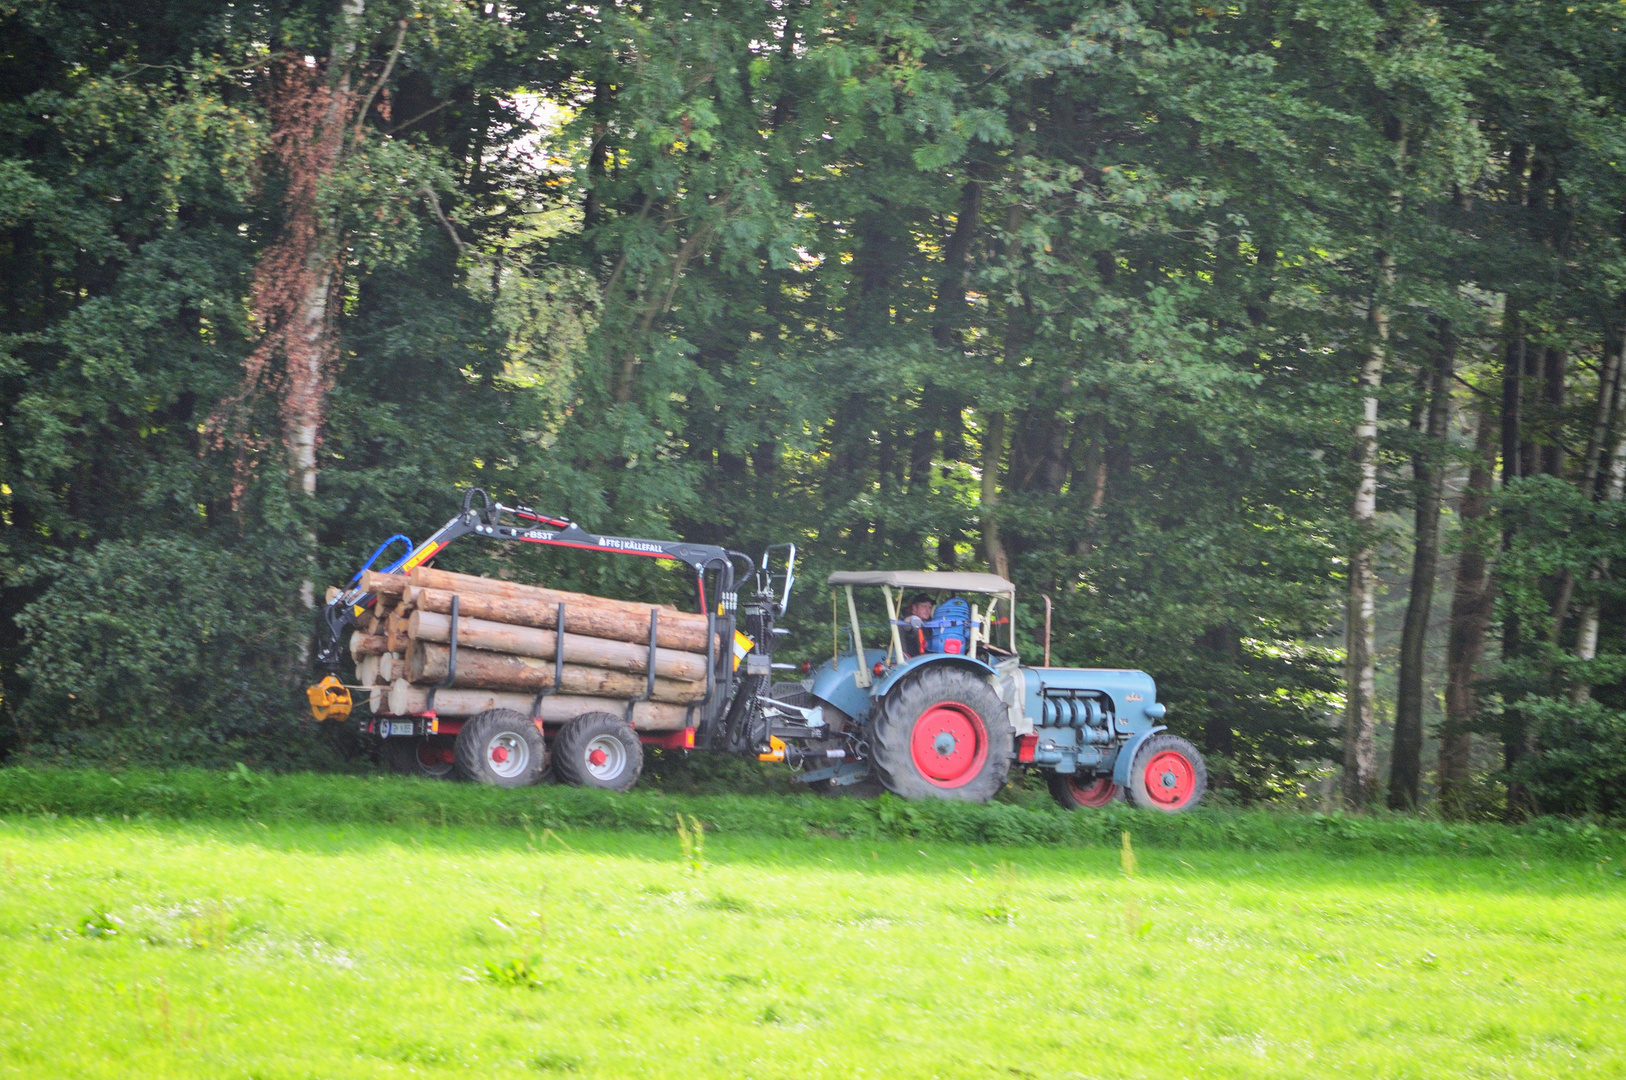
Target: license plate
<point>399,727</point>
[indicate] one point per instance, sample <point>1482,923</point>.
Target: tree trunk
<point>428,663</point>
<point>1360,669</point>
<point>528,641</point>
<point>1518,457</point>
<point>1586,639</point>
<point>950,300</point>
<point>404,699</point>
<point>993,447</point>
<point>580,619</point>
<point>1428,477</point>
<point>1471,606</point>
<point>424,577</point>
<point>1554,373</point>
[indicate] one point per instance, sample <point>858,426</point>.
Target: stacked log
<point>513,654</point>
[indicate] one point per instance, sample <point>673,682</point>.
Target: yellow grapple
<point>329,700</point>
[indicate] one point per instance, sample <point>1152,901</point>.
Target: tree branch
<point>389,66</point>
<point>440,215</point>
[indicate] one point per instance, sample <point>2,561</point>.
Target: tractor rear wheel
<point>1075,792</point>
<point>942,733</point>
<point>600,750</point>
<point>418,757</point>
<point>501,747</point>
<point>1168,774</point>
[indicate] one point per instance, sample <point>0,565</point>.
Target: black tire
<point>942,733</point>
<point>1076,792</point>
<point>501,747</point>
<point>621,755</point>
<point>431,758</point>
<point>1168,774</point>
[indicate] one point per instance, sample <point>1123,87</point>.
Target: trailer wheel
<point>1073,792</point>
<point>1168,774</point>
<point>418,757</point>
<point>598,750</point>
<point>501,747</point>
<point>942,733</point>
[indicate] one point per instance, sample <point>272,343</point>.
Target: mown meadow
<point>214,943</point>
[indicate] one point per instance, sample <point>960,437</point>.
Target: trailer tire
<point>942,733</point>
<point>501,747</point>
<point>1070,794</point>
<point>1168,774</point>
<point>431,758</point>
<point>598,750</point>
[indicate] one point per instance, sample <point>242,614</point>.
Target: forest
<point>1278,343</point>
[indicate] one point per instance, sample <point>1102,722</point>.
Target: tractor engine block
<point>1074,728</point>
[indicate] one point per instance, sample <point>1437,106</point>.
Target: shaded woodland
<point>1279,344</point>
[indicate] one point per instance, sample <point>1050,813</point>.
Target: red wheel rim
<point>1170,778</point>
<point>1099,792</point>
<point>949,744</point>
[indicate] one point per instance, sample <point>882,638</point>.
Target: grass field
<point>228,949</point>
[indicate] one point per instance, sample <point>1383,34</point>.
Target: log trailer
<point>948,719</point>
<point>517,742</point>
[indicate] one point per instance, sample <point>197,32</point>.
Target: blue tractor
<point>936,703</point>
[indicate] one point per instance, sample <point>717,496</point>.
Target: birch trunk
<point>1471,605</point>
<point>1586,641</point>
<point>1360,670</point>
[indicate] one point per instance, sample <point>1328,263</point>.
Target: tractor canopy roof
<point>951,580</point>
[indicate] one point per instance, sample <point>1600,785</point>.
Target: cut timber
<point>528,641</point>
<point>367,671</point>
<point>404,699</point>
<point>383,584</point>
<point>427,663</point>
<point>673,630</point>
<point>365,645</point>
<point>377,698</point>
<point>429,578</point>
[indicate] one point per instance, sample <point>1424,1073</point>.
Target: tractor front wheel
<point>501,747</point>
<point>600,750</point>
<point>1168,774</point>
<point>1075,791</point>
<point>942,733</point>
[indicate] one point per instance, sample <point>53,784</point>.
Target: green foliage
<point>878,279</point>
<point>147,651</point>
<point>1555,532</point>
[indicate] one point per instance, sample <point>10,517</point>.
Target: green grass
<point>193,794</point>
<point>270,949</point>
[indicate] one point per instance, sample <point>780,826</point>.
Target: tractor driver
<point>914,634</point>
